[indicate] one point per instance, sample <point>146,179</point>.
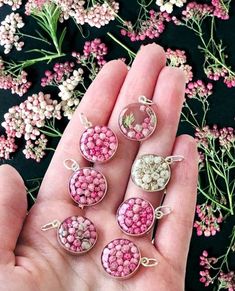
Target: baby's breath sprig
<point>218,269</point>
<point>215,64</point>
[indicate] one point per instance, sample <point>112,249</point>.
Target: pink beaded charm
<point>121,258</point>
<point>137,121</point>
<point>136,216</point>
<point>87,186</point>
<point>97,143</point>
<point>76,234</point>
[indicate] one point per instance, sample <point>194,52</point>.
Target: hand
<point>32,260</point>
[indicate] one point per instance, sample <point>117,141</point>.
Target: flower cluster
<point>198,89</point>
<point>93,51</point>
<point>17,84</point>
<point>209,220</point>
<point>212,270</point>
<point>150,27</point>
<point>177,58</point>
<point>169,5</point>
<point>9,37</point>
<point>207,264</point>
<point>226,136</point>
<point>66,78</point>
<point>26,120</point>
<point>95,15</point>
<point>7,146</point>
<point>221,8</point>
<point>195,11</point>
<point>14,4</point>
<point>227,281</point>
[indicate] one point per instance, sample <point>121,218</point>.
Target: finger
<point>141,80</point>
<point>174,231</point>
<point>168,96</point>
<point>97,105</point>
<point>13,207</point>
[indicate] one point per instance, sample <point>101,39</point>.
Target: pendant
<point>121,258</point>
<point>151,172</point>
<point>136,216</point>
<point>97,143</point>
<point>137,121</point>
<point>76,234</point>
<point>87,186</point>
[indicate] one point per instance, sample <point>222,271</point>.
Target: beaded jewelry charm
<point>97,143</point>
<point>137,121</point>
<point>87,186</point>
<point>151,172</point>
<point>136,216</point>
<point>121,258</point>
<point>76,234</point>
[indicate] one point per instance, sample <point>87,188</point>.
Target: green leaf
<point>61,39</point>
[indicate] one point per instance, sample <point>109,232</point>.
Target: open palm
<point>33,260</point>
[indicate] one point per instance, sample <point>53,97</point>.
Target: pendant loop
<point>71,164</point>
<point>84,121</point>
<point>162,210</point>
<point>50,225</point>
<point>144,100</point>
<point>172,159</point>
<point>148,262</point>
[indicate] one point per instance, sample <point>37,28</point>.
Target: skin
<point>33,260</point>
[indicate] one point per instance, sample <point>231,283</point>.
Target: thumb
<point>13,207</point>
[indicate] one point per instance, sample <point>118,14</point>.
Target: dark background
<point>222,102</point>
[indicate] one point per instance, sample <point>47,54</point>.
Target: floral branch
<point>215,65</point>
<point>217,269</point>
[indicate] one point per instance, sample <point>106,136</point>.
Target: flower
<point>26,119</point>
<point>227,281</point>
<point>7,146</point>
<point>221,8</point>
<point>14,4</point>
<point>149,27</point>
<point>9,37</point>
<point>177,58</point>
<point>168,5</point>
<point>17,84</point>
<point>35,149</point>
<point>209,220</point>
<point>198,89</point>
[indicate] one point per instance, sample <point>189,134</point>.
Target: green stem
<point>28,63</point>
<point>34,37</point>
<point>130,52</point>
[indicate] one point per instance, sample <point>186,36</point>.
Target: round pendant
<point>87,186</point>
<point>137,121</point>
<point>77,234</point>
<point>98,144</point>
<point>151,173</point>
<point>135,216</point>
<point>121,258</point>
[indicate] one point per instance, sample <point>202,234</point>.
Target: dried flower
<point>7,146</point>
<point>18,84</point>
<point>198,89</point>
<point>221,8</point>
<point>15,4</point>
<point>209,221</point>
<point>9,36</point>
<point>26,119</point>
<point>177,58</point>
<point>35,149</point>
<point>148,26</point>
<point>168,6</point>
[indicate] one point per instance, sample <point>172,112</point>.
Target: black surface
<point>221,113</point>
